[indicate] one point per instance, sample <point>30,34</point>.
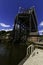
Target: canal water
<point>4,55</point>
<point>11,55</point>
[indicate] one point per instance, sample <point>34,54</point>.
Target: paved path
<point>36,58</point>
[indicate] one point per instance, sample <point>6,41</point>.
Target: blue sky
<point>9,9</point>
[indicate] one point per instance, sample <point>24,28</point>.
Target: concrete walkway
<point>36,58</point>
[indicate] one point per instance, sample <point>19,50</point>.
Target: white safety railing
<point>30,49</point>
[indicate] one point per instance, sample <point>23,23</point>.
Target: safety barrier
<point>30,49</point>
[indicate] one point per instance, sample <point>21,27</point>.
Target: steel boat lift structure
<point>25,23</point>
<point>25,26</point>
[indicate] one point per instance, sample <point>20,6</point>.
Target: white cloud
<point>41,32</point>
<point>4,25</point>
<point>6,29</point>
<point>41,24</point>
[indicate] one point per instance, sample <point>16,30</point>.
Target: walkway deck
<point>36,58</point>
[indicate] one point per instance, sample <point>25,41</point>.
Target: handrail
<point>30,49</point>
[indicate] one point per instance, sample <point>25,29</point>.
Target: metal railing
<point>30,49</point>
